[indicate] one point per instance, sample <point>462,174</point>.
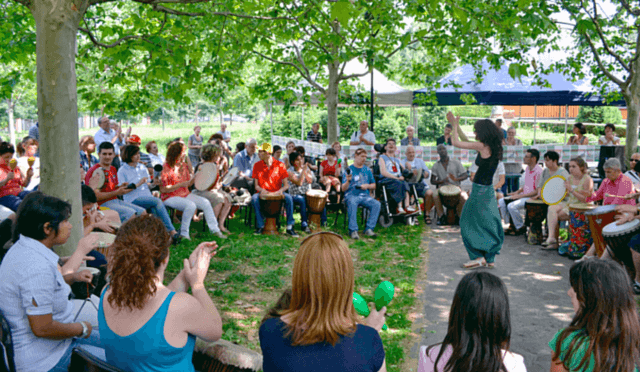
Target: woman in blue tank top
<point>480,222</point>
<point>146,326</point>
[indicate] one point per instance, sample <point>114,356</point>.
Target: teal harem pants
<point>481,225</point>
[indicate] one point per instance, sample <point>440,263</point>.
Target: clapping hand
<point>452,119</point>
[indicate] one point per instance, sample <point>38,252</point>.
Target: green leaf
<point>342,12</point>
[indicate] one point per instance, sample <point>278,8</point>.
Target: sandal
<point>491,265</point>
<point>474,264</point>
<point>427,219</point>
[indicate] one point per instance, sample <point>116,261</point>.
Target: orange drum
<point>599,218</point>
<point>316,201</point>
<point>270,207</point>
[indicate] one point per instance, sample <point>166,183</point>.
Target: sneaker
<point>182,237</point>
<point>306,229</point>
<point>292,232</point>
<point>354,235</point>
<point>411,209</point>
<point>370,234</point>
<point>636,288</point>
<point>401,210</point>
<point>220,235</point>
<point>258,231</point>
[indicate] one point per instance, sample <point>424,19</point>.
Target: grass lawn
<point>250,272</point>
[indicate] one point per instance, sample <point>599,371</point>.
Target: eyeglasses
<point>321,233</point>
<point>633,160</point>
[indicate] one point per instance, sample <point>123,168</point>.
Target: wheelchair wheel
<point>385,221</point>
<point>411,221</point>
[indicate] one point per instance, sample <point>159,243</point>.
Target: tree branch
<point>594,19</point>
<point>286,63</point>
<point>347,77</point>
<point>619,82</point>
<point>112,45</point>
<point>625,4</point>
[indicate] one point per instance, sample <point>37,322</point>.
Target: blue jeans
<point>91,344</point>
<point>353,201</point>
<point>302,202</point>
<point>157,208</point>
<point>124,209</point>
<point>288,205</point>
<point>13,202</point>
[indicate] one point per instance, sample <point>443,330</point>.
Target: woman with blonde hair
<point>145,325</point>
<point>220,200</point>
<point>320,331</point>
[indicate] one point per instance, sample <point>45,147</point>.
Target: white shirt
<point>226,134</point>
<point>103,136</point>
<point>369,136</point>
<point>512,361</point>
<point>23,164</point>
<point>496,175</point>
<point>156,159</point>
<point>129,174</point>
<point>609,143</point>
<point>29,273</point>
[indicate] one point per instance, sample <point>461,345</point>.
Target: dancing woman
<point>480,223</point>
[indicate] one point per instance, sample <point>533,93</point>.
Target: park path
<point>537,281</point>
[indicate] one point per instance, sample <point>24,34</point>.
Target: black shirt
<point>441,140</point>
<point>314,137</point>
<point>486,169</point>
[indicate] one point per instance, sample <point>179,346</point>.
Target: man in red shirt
<point>271,179</point>
<point>109,192</point>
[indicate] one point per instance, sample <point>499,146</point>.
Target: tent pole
<point>535,122</point>
<point>271,113</point>
<point>566,122</point>
<point>302,129</point>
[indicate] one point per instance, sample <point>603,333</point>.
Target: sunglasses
<point>322,233</point>
<point>633,160</point>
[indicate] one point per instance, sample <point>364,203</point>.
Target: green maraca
<point>383,295</point>
<point>361,305</point>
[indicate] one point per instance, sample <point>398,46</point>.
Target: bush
<point>432,121</point>
<point>602,115</point>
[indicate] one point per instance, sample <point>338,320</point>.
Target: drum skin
<point>206,175</point>
<point>223,356</point>
<point>599,218</point>
<point>617,238</point>
<point>581,239</point>
<point>270,207</point>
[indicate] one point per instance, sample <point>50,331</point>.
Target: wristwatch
<point>85,330</point>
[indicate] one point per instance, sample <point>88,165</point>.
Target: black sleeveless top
<point>486,169</point>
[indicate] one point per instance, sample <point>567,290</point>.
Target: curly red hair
<point>135,256</point>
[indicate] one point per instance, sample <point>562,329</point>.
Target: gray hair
<point>441,146</point>
<point>612,163</point>
<point>514,129</point>
<point>411,126</point>
<point>112,122</point>
<point>251,141</point>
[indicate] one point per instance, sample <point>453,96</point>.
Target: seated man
<point>532,182</point>
<point>245,161</point>
<point>109,192</point>
<point>418,167</point>
<point>314,134</point>
<point>498,178</point>
<point>410,139</point>
<point>447,171</point>
<point>551,169</point>
<point>634,175</point>
<point>363,136</point>
<point>357,183</point>
<point>271,179</point>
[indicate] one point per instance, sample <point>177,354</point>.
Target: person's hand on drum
<point>88,243</point>
<point>452,177</point>
<point>624,218</point>
<point>376,319</point>
<point>626,208</point>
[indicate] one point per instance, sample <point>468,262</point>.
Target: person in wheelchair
<point>420,174</point>
<point>391,177</point>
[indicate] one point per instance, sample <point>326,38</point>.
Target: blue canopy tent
<point>499,88</point>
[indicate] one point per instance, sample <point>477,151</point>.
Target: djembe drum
<point>599,218</point>
<point>617,237</point>
<point>536,213</point>
<point>270,207</point>
<point>450,198</point>
<point>316,201</point>
<point>581,238</point>
<point>223,356</point>
<point>104,243</point>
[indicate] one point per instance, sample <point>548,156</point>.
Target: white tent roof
<point>387,92</point>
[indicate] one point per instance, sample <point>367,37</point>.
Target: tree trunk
<point>332,102</point>
<point>633,114</point>
<point>56,30</point>
<point>12,126</point>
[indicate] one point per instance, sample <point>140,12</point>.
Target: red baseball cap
<point>134,139</point>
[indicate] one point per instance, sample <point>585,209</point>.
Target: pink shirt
<point>620,187</point>
<point>512,361</point>
<point>532,179</point>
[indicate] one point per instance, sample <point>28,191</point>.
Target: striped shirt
<point>31,284</point>
<point>314,137</point>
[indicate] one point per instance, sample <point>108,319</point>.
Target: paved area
<point>537,281</point>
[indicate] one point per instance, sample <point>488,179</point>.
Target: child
<point>330,173</point>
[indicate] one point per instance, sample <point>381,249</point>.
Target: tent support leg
<point>535,122</point>
<point>566,122</point>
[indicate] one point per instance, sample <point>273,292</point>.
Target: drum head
<point>92,270</point>
<point>415,178</point>
<point>105,239</point>
<point>601,210</point>
<point>317,193</point>
<point>582,206</point>
<point>231,176</point>
<point>449,190</point>
<point>97,178</point>
<point>206,176</point>
<point>553,191</point>
<point>534,201</point>
<point>614,229</point>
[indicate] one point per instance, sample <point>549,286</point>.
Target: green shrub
<point>602,114</point>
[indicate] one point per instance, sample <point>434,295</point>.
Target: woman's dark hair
<point>239,146</point>
<point>330,151</point>
<point>282,304</point>
<point>293,157</point>
<point>389,140</point>
<point>35,211</point>
<point>490,135</point>
<point>479,324</point>
<point>106,145</point>
<point>581,128</point>
<point>88,195</point>
<point>173,153</point>
<point>216,136</point>
<point>609,125</point>
<point>6,147</point>
<point>552,155</point>
<point>607,318</point>
<point>129,152</point>
<point>535,153</point>
<point>141,245</point>
<point>300,150</point>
